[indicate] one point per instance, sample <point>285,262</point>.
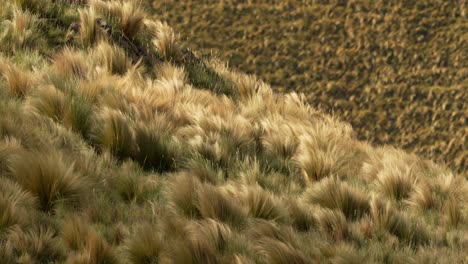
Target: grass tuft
<point>301,215</point>
<point>333,194</point>
<point>90,33</point>
<point>183,194</point>
<point>39,245</point>
<point>19,82</point>
<point>10,214</point>
<point>156,149</point>
<point>78,115</point>
<point>144,246</point>
<point>115,133</point>
<point>318,159</point>
<point>48,101</point>
<point>388,219</point>
<point>333,223</point>
<point>164,40</point>
<point>127,16</point>
<point>215,234</point>
<point>49,178</point>
<point>113,58</point>
<point>212,203</point>
<point>277,252</point>
<point>75,232</point>
<point>263,205</point>
<point>20,31</point>
<point>395,182</point>
<point>131,184</point>
<point>71,64</point>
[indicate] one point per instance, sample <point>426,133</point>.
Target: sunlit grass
<point>118,145</point>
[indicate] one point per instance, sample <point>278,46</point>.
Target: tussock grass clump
<point>318,159</point>
<point>301,215</point>
<point>215,234</point>
<point>164,40</point>
<point>333,194</point>
<point>113,58</point>
<point>87,245</point>
<point>212,203</point>
<point>183,194</point>
<point>48,101</point>
<point>346,253</point>
<point>38,245</point>
<point>247,85</point>
<point>145,245</point>
<point>199,251</point>
<point>386,218</point>
<point>259,229</point>
<point>422,197</point>
<point>279,139</point>
<point>447,185</point>
<point>204,170</point>
<point>115,133</point>
<point>333,223</point>
<point>155,147</point>
<point>19,31</point>
<point>6,254</point>
<point>16,195</point>
<point>453,214</point>
<point>49,178</point>
<point>396,182</point>
<point>9,147</point>
<point>10,214</point>
<point>78,115</point>
<point>19,81</point>
<point>278,252</point>
<point>75,232</point>
<point>90,33</point>
<point>35,6</point>
<point>205,78</point>
<point>263,205</point>
<point>127,16</point>
<point>131,184</point>
<point>71,64</point>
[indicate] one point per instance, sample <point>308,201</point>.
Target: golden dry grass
<point>173,158</point>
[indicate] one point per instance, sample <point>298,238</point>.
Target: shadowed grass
<point>156,149</point>
<point>115,133</point>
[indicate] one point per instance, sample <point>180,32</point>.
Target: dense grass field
<point>396,70</point>
<point>119,145</point>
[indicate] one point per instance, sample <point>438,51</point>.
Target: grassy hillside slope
<point>119,146</point>
<point>396,70</point>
